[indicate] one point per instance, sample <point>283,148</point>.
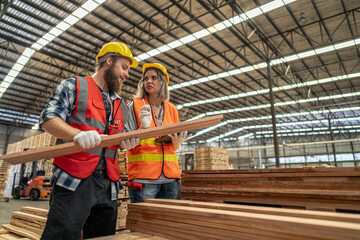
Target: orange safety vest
<point>149,159</point>
<point>89,114</point>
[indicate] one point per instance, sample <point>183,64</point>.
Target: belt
<point>101,167</point>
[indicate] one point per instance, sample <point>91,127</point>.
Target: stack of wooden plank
<point>34,142</point>
<point>311,188</point>
<point>123,197</point>
<point>28,223</point>
<point>211,158</point>
<point>4,172</point>
<point>181,219</point>
<point>122,161</point>
<point>122,213</point>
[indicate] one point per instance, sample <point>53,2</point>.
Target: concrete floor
<point>14,205</point>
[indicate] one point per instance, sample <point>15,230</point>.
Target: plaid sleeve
<point>131,123</point>
<point>62,101</point>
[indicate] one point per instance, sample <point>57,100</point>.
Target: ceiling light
<point>246,69</point>
<point>90,5</point>
<point>63,26</point>
<point>164,48</point>
<point>28,52</point>
<point>213,77</point>
<point>271,6</point>
<point>201,33</point>
<point>99,1</point>
<point>204,79</point>
<point>220,26</point>
<point>344,44</point>
<point>175,44</point>
<point>143,56</point>
<point>187,39</point>
<point>17,67</point>
<point>42,41</point>
<point>185,84</point>
<point>254,13</point>
<point>224,74</point>
<point>8,79</point>
<point>49,37</point>
<point>307,54</point>
<point>36,46</point>
<point>5,84</point>
<point>80,13</point>
<point>13,73</point>
<point>235,72</point>
<point>2,89</point>
<point>291,58</point>
<point>153,52</point>
<point>71,19</point>
<point>325,49</point>
<point>212,29</point>
<point>193,82</point>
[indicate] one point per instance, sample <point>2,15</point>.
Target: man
<point>85,185</point>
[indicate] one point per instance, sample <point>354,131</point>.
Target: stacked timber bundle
<point>311,188</point>
<point>180,219</point>
<point>5,167</point>
<point>122,161</point>
<point>4,172</point>
<point>123,197</point>
<point>211,158</point>
<point>122,213</point>
<point>27,223</point>
<point>34,142</point>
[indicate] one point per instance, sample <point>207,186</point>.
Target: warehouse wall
<point>14,134</point>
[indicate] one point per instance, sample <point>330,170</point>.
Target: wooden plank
<point>274,170</point>
<point>210,229</point>
<point>21,232</point>
<point>309,228</point>
<point>71,147</point>
<point>29,217</point>
<point>130,236</point>
<point>36,211</point>
<point>25,226</point>
<point>321,203</point>
<point>343,217</point>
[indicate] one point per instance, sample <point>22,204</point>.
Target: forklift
<point>34,186</point>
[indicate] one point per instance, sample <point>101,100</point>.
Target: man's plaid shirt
<point>61,104</point>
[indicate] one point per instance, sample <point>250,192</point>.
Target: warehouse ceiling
<point>216,52</point>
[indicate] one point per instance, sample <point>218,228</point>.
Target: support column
<point>273,117</point>
<point>332,144</point>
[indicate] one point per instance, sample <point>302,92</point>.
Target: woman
<point>153,167</point>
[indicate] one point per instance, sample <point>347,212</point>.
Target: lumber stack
<point>123,197</point>
<point>211,158</point>
<point>27,223</point>
<point>122,161</point>
<point>181,219</point>
<point>311,188</point>
<point>34,142</point>
<point>122,213</point>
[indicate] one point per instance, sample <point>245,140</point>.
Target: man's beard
<point>112,81</point>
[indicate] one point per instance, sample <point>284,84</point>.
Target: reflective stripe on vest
<point>89,114</point>
<point>150,159</point>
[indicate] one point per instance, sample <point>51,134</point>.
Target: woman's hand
<point>178,138</point>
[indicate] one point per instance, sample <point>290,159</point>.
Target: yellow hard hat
<point>120,48</point>
<point>158,66</point>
